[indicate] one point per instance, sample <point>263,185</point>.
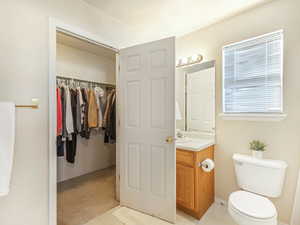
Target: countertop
<point>194,144</point>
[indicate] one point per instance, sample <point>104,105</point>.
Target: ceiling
<point>171,17</point>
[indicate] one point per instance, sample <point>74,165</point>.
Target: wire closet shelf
<point>70,80</point>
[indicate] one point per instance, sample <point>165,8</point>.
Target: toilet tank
<point>260,176</point>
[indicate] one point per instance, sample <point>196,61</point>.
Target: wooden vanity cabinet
<point>195,189</point>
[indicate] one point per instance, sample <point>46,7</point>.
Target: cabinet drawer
<point>185,157</point>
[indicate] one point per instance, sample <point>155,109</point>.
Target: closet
<point>86,130</point>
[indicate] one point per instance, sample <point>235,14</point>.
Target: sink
<point>194,144</point>
<point>183,140</point>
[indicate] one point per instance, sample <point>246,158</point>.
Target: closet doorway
<point>145,148</point>
<point>86,129</point>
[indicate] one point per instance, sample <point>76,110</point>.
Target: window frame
<point>255,115</point>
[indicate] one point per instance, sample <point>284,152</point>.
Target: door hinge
<point>119,67</point>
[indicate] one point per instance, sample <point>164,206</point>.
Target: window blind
<point>252,75</point>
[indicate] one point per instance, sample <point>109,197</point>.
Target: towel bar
<point>27,106</point>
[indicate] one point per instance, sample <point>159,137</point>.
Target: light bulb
<point>184,60</point>
<point>195,58</point>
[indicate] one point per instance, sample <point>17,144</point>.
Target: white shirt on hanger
<point>69,115</point>
<point>99,93</point>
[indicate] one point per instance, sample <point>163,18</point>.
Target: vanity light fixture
<point>186,61</point>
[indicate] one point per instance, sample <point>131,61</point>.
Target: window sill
<point>253,116</point>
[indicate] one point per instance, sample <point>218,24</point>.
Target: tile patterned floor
<point>90,200</point>
<point>216,215</point>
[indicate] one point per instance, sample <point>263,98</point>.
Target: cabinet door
<point>185,192</point>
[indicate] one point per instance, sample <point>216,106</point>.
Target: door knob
<point>170,140</point>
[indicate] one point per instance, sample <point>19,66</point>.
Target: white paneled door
<point>147,128</point>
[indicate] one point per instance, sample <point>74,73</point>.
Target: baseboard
<point>280,223</point>
<point>222,202</point>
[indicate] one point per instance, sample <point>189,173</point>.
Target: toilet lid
<point>252,205</point>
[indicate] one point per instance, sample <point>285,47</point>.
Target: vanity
<point>194,187</point>
<point>195,115</point>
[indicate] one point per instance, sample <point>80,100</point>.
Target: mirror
<point>195,111</point>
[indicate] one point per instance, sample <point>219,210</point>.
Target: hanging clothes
<point>69,116</point>
<point>85,131</point>
<point>92,110</point>
<point>107,107</point>
<point>60,141</point>
<point>99,93</point>
<point>110,119</point>
<point>71,142</point>
<point>79,110</point>
<point>59,113</point>
<point>110,130</point>
<point>60,148</point>
<point>71,145</point>
<point>59,124</point>
<point>73,97</point>
<point>64,106</point>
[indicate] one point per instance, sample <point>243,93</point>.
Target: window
<point>252,75</point>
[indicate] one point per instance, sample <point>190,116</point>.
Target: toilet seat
<point>252,205</point>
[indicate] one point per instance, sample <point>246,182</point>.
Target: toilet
<point>258,180</point>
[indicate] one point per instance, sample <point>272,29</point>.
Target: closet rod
<point>85,81</point>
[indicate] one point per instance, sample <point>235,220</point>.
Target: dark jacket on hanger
<point>73,95</point>
<point>71,146</point>
<point>63,103</point>
<point>110,129</point>
<point>85,131</point>
<point>71,143</point>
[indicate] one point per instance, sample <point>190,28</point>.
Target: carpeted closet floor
<point>83,198</point>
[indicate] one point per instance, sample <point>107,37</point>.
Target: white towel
<point>7,142</point>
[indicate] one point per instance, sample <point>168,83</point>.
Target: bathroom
<point>25,66</point>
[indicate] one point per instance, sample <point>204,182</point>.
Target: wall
<point>24,75</point>
<point>91,154</point>
<point>296,209</point>
<point>180,96</point>
<point>282,137</point>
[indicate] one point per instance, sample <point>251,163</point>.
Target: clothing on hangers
<point>71,145</point>
<point>69,116</point>
<point>79,117</point>
<point>110,118</point>
<point>63,104</point>
<point>107,107</point>
<point>59,130</point>
<point>85,131</point>
<point>99,93</point>
<point>79,110</point>
<point>110,130</point>
<point>92,110</point>
<point>59,112</point>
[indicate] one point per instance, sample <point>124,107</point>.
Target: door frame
<point>55,26</point>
